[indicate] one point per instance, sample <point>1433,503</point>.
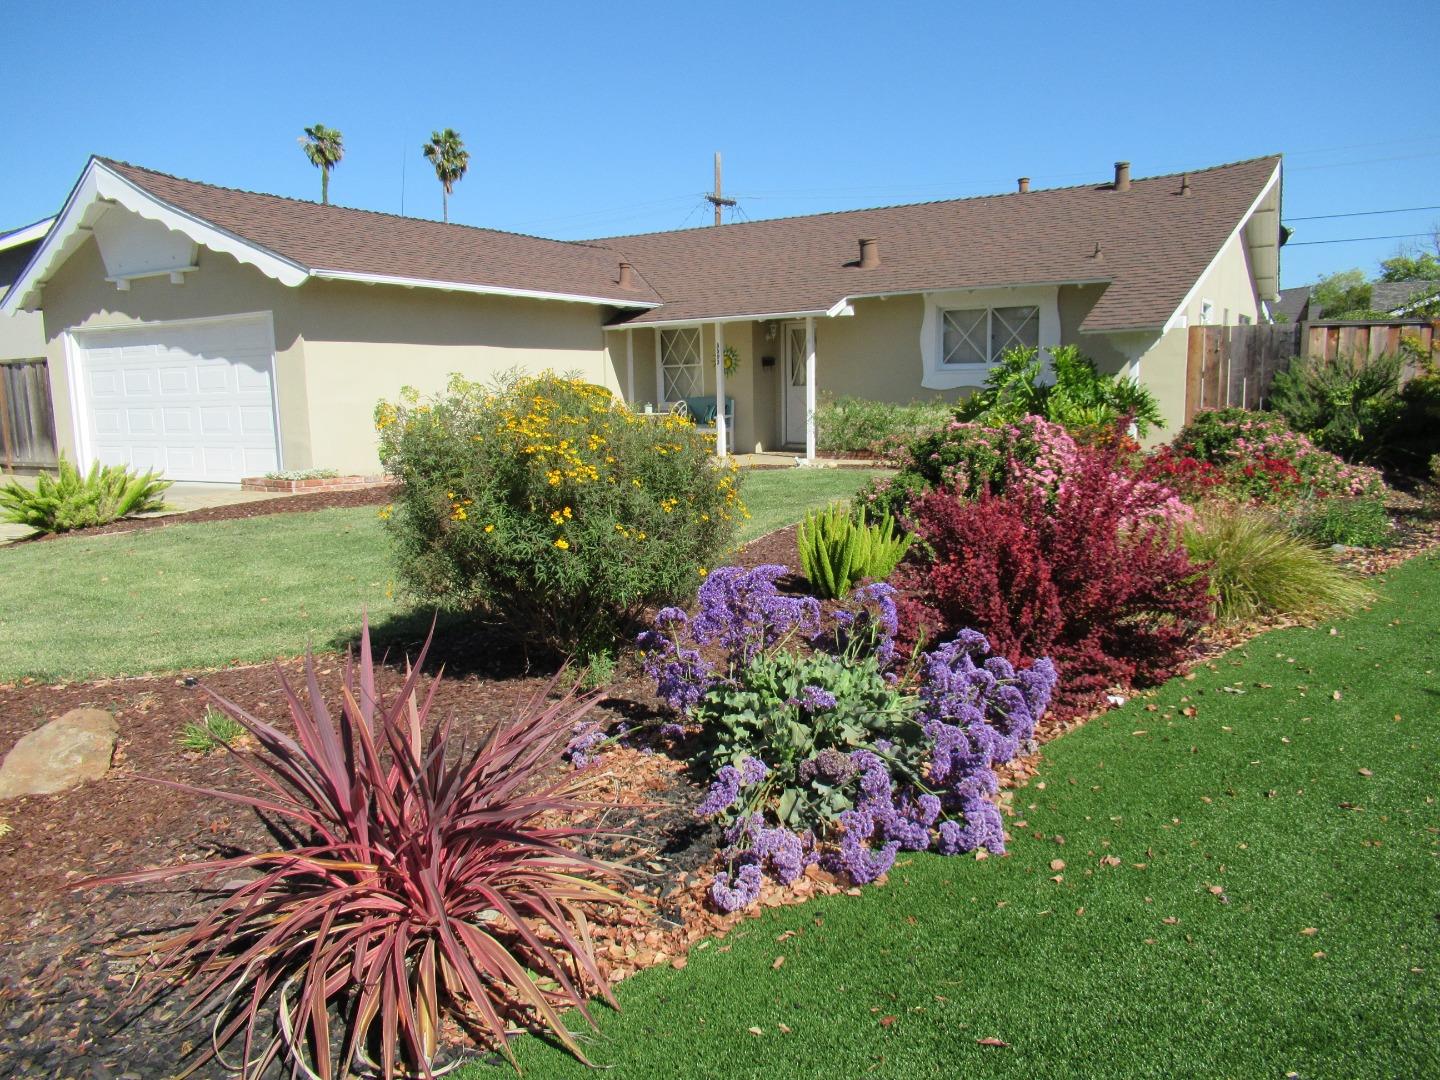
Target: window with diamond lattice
<point>680,362</point>
<point>982,335</point>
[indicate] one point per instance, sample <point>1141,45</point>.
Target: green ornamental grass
<point>839,548</point>
<point>1257,568</point>
<point>74,500</point>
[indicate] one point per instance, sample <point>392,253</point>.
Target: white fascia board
<point>100,184</point>
<point>977,288</point>
<point>25,235</point>
<point>1173,322</point>
<point>488,290</point>
<point>711,320</point>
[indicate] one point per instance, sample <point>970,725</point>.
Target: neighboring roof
<point>26,234</point>
<point>1394,296</point>
<point>1292,303</point>
<point>1155,244</point>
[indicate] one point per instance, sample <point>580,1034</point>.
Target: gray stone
<point>61,755</point>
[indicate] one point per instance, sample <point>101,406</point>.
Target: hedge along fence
<point>1235,365</point>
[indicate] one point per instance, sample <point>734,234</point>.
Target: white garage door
<point>194,401</point>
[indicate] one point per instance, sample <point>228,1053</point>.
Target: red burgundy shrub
<point>1094,576</point>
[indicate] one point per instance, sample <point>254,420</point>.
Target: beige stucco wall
<point>22,335</point>
<point>1230,285</point>
<point>1162,369</point>
<point>340,347</point>
<point>364,342</point>
<point>79,298</point>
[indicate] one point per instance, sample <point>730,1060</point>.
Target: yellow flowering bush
<point>544,502</point>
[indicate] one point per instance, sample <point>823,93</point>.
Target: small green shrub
<point>1352,522</point>
<point>839,548</point>
<point>1346,406</point>
<point>546,504</point>
<point>216,730</point>
<point>1081,398</point>
<point>72,500</point>
<point>1257,568</point>
<point>852,425</point>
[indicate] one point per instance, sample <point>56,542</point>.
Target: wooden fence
<point>27,418</point>
<point>1235,365</point>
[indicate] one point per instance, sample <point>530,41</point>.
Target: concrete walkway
<point>178,499</point>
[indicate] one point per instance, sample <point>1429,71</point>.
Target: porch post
<point>659,374</point>
<point>630,368</point>
<point>810,388</point>
<point>720,433</point>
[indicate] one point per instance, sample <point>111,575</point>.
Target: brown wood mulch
<point>60,980</point>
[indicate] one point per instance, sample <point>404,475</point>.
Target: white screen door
<point>794,392</point>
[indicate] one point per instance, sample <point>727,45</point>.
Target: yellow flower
<point>489,528</point>
<point>703,571</point>
<point>385,512</point>
<point>563,544</point>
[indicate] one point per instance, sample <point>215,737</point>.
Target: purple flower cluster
<point>584,737</point>
<point>829,765</point>
<point>681,675</point>
<point>815,699</point>
<point>743,891</point>
<point>729,781</point>
<point>744,613</point>
<point>872,623</point>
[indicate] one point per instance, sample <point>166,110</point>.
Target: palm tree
<point>324,147</point>
<point>447,153</point>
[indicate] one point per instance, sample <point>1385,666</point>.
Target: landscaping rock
<point>61,755</point>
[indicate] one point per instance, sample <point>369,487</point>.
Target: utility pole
<point>717,198</point>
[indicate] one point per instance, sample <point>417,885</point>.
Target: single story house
<point>214,333</point>
<point>1397,299</point>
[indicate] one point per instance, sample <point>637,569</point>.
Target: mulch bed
<point>61,980</point>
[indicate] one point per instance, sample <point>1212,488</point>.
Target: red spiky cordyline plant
<point>421,882</point>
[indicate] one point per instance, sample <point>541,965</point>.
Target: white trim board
<point>26,235</point>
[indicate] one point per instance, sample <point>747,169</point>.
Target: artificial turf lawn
<point>208,594</point>
<point>1260,792</point>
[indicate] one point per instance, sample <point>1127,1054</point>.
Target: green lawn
<point>204,595</point>
<point>1306,793</point>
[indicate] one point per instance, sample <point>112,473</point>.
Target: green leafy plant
<point>853,425</point>
<point>1352,522</point>
<point>215,732</point>
<point>303,474</point>
<point>74,500</point>
<point>1080,398</point>
<point>1258,568</point>
<point>1345,405</point>
<point>840,548</point>
<point>418,880</point>
<point>547,505</point>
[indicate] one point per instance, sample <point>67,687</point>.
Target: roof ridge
<point>331,206</point>
<point>928,202</point>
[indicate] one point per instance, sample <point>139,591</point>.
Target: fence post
<point>5,418</point>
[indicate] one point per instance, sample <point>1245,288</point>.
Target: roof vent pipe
<point>1024,184</point>
<point>1122,176</point>
<point>627,276</point>
<point>869,253</point>
<point>1185,184</point>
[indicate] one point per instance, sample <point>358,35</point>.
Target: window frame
<point>991,358</point>
<point>936,375</point>
<point>692,370</point>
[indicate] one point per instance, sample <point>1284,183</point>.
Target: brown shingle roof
<point>365,242</point>
<point>1155,243</point>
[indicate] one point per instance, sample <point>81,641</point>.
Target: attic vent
<point>1122,176</point>
<point>1023,184</point>
<point>627,276</point>
<point>1185,184</point>
<point>869,253</point>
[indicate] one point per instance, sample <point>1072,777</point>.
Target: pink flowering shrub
<point>970,459</point>
<point>1255,456</point>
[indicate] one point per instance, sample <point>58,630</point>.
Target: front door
<point>794,377</point>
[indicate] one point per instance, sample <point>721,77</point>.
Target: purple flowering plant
<point>817,750</point>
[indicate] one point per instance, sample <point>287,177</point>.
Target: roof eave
<point>484,290</point>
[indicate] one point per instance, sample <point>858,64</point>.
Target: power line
<point>1363,213</point>
<point>1357,239</point>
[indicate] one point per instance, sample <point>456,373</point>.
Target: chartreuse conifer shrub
<point>840,548</point>
<point>546,504</point>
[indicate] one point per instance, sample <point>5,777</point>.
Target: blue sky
<point>595,119</point>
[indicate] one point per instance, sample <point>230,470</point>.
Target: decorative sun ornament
<point>731,358</point>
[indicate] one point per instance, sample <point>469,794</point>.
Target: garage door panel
<point>193,401</point>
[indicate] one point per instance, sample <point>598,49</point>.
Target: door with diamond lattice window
<point>794,392</point>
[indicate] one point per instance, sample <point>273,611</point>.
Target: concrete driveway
<point>179,499</point>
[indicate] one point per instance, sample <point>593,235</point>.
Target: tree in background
<point>324,147</point>
<point>1343,295</point>
<point>447,153</point>
<point>1419,267</point>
